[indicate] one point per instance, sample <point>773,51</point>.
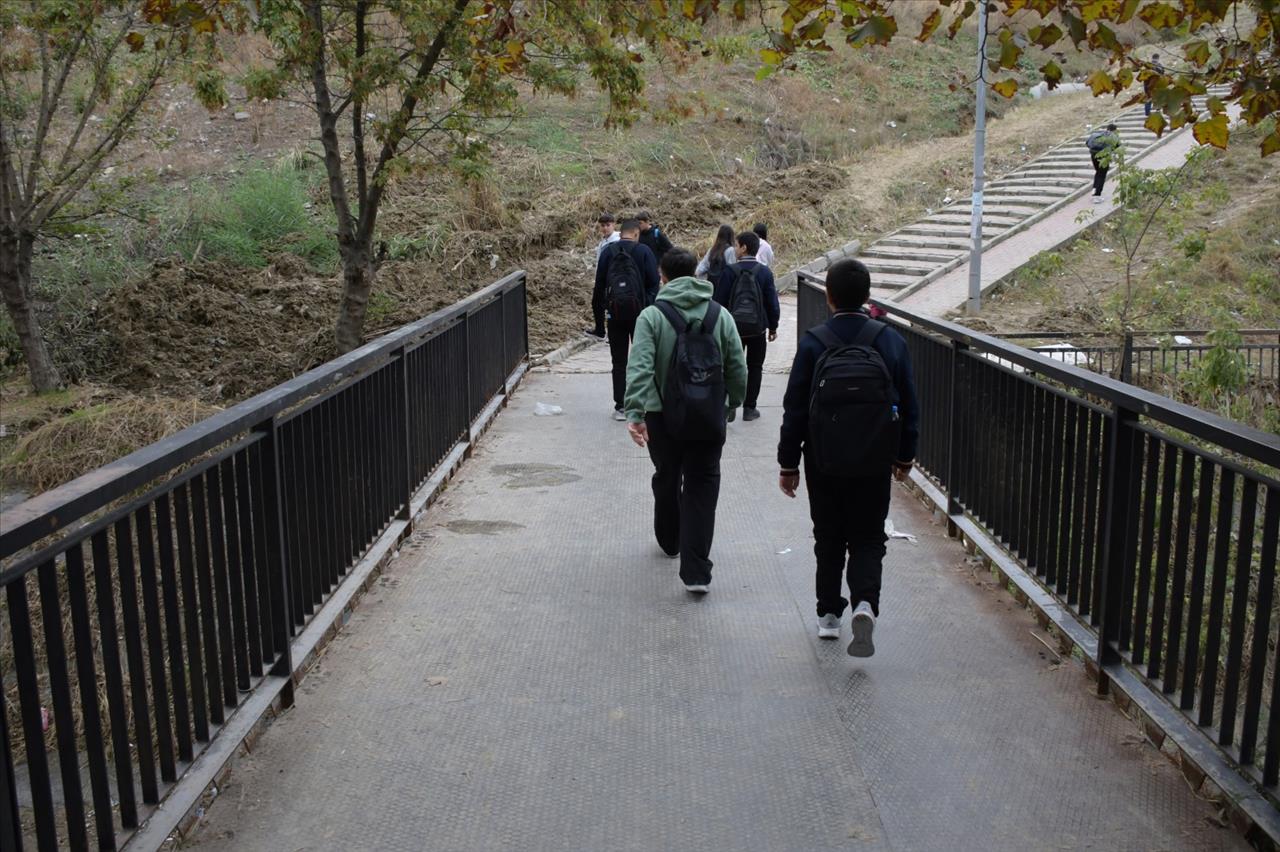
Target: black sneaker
<point>750,414</point>
<point>594,332</point>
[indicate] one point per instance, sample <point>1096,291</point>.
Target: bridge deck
<point>530,675</point>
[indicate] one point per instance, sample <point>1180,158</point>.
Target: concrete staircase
<point>915,255</point>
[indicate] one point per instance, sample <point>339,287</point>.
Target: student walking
<point>686,370</point>
<point>626,283</point>
<point>720,255</point>
<point>850,410</point>
<point>608,234</point>
<point>746,288</point>
<point>1102,145</point>
<point>765,254</point>
<point>652,236</point>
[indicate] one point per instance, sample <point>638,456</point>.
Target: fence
<point>1156,354</point>
<point>1153,522</point>
<point>144,626</point>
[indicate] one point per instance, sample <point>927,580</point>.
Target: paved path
<point>530,675</point>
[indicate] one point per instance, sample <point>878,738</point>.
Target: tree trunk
<point>15,284</point>
<point>358,272</point>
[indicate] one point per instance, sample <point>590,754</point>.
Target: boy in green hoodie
<point>686,478</point>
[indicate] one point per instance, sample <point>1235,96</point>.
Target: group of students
<point>627,280</point>
<point>850,416</point>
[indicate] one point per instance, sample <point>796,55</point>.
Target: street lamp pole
<point>974,304</point>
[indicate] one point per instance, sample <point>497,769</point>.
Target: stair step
<point>939,229</point>
<point>1005,198</point>
<point>899,266</point>
<point>929,242</point>
<point>934,256</point>
<point>893,281</point>
<point>965,218</point>
<point>1064,185</point>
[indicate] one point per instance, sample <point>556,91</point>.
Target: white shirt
<point>704,265</point>
<point>612,238</point>
<point>765,254</point>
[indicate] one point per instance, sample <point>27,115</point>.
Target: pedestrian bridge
<point>388,605</point>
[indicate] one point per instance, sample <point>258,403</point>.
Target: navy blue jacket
<point>764,275</point>
<point>656,241</point>
<point>645,262</point>
<point>795,405</point>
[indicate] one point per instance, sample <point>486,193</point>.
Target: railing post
<point>400,366</point>
<point>10,827</point>
<point>1126,359</point>
<point>1121,472</point>
<point>277,556</point>
<point>953,440</point>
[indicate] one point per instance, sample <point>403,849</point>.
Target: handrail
<point>1236,437</point>
<point>53,510</point>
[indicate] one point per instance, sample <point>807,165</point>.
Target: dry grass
<point>90,437</point>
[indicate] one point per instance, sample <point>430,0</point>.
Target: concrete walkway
<point>530,675</point>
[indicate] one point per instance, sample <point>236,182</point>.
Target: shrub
<point>261,84</point>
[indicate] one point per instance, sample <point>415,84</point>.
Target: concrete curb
<point>788,280</point>
<point>564,353</point>
<point>1207,772</point>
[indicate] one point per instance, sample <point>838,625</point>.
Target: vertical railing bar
<point>109,644</point>
<point>1182,540</point>
<point>1168,483</point>
<point>208,611</point>
<point>133,654</point>
<point>1261,632</point>
<point>1239,610</point>
<point>10,824</point>
<point>1147,544</point>
<point>1191,661</point>
<point>155,643</point>
<point>277,555</point>
<point>174,616</point>
<point>24,662</point>
<point>249,568</point>
<point>1217,595</point>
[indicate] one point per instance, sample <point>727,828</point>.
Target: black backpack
<point>746,303</point>
<point>853,406</point>
<point>694,394</point>
<point>624,287</point>
<point>1098,141</point>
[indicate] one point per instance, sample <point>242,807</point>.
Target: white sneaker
<point>1097,199</point>
<point>619,415</point>
<point>696,588</point>
<point>828,626</point>
<point>863,624</point>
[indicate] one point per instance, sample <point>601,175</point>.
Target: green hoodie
<point>655,340</point>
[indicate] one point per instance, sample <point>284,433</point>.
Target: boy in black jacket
<point>848,513</point>
<point>620,328</point>
<point>756,345</point>
<point>652,236</point>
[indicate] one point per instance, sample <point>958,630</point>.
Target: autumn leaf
<point>1100,82</point>
<point>135,42</point>
<point>1052,73</point>
<point>878,29</point>
<point>1271,144</point>
<point>1155,123</point>
<point>1197,51</point>
<point>1161,16</point>
<point>1216,106</point>
<point>771,57</point>
<point>930,24</point>
<point>1008,87</point>
<point>1045,36</point>
<point>1212,131</point>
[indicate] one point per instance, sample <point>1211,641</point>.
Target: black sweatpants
<point>756,348</point>
<point>848,523</point>
<point>620,331</point>
<point>686,488</point>
<point>1099,174</point>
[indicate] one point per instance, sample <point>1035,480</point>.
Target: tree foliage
<point>1233,43</point>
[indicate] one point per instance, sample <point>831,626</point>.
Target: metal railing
<point>1155,523</point>
<point>136,630</point>
<point>1134,356</point>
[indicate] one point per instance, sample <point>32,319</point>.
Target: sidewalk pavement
<point>529,674</point>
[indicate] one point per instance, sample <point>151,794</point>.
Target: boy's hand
<point>773,335</point>
<point>901,470</point>
<point>639,433</point>
<point>789,481</point>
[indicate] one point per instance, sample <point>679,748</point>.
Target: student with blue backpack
<point>850,410</point>
<point>686,371</point>
<point>626,283</point>
<point>746,289</point>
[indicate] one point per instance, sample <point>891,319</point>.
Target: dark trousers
<point>1099,174</point>
<point>620,331</point>
<point>848,523</point>
<point>756,347</point>
<point>686,488</point>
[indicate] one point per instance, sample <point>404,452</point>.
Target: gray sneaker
<point>696,588</point>
<point>828,626</point>
<point>863,624</point>
<point>749,414</point>
<point>619,415</point>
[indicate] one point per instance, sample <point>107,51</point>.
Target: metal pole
<point>974,305</point>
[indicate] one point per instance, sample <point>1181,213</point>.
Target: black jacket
<point>764,276</point>
<point>656,241</point>
<point>645,262</point>
<point>795,405</point>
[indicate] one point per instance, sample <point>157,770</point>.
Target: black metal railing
<point>134,631</point>
<point>1154,522</point>
<point>1154,355</point>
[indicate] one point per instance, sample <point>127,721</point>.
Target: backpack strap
<point>869,332</point>
<point>826,336</point>
<point>711,317</point>
<point>669,311</point>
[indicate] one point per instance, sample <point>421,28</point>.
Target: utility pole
<point>974,304</point>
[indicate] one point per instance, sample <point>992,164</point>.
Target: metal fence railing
<point>134,624</point>
<point>1155,523</point>
<point>1153,355</point>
